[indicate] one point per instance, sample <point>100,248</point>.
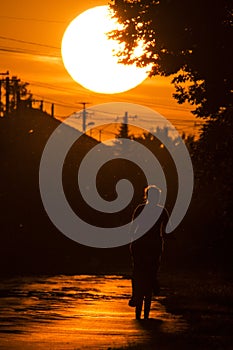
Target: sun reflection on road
<point>76,312</point>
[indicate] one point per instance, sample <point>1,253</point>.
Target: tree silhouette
<point>123,131</point>
<point>17,90</point>
<point>191,39</point>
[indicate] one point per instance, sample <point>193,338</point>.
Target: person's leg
<point>155,282</point>
<point>138,309</point>
<point>147,305</point>
<point>156,287</point>
<point>132,301</point>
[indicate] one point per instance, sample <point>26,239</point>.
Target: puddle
<point>76,312</point>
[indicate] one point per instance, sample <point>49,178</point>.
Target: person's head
<point>152,194</point>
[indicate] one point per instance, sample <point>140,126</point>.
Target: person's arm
<point>133,225</point>
<point>165,222</point>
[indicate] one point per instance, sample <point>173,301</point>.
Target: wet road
<point>77,312</point>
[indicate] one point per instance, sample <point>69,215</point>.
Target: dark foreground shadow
<point>150,324</point>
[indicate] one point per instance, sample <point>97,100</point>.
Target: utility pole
<point>1,81</point>
<point>126,118</point>
<point>0,97</point>
<point>7,95</point>
<point>101,130</point>
<point>16,91</point>
<point>52,110</point>
<point>100,133</point>
<point>18,97</point>
<point>84,116</point>
<point>41,105</point>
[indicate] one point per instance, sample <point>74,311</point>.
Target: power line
<point>176,120</point>
<point>57,102</point>
<point>54,87</point>
<point>180,123</point>
<point>32,52</point>
<point>28,42</point>
<point>169,107</point>
<point>153,104</point>
<point>103,112</point>
<point>51,86</point>
<point>27,52</point>
<point>31,19</point>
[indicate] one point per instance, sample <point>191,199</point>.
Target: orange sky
<point>44,22</point>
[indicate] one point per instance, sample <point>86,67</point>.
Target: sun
<point>88,54</point>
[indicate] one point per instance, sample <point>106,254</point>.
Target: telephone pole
<point>84,115</point>
<point>16,91</point>
<point>52,110</point>
<point>1,81</point>
<point>7,95</point>
<point>126,118</point>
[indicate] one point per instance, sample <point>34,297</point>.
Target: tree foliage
<point>192,39</point>
<point>123,131</point>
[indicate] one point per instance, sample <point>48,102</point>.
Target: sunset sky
<point>30,41</point>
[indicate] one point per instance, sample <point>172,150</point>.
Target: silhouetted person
<point>146,253</point>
